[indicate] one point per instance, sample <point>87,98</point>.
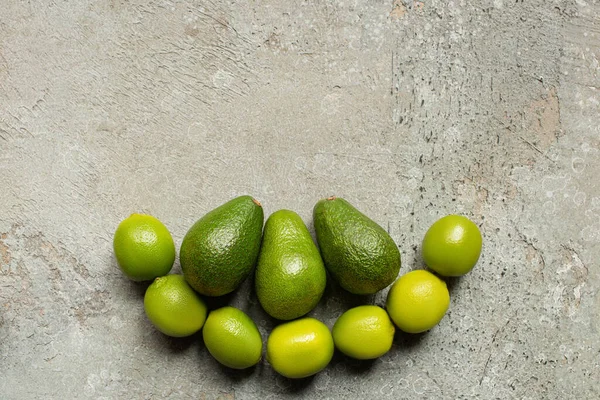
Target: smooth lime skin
<point>452,245</point>
<point>173,307</point>
<point>364,332</point>
<point>417,301</point>
<point>300,348</point>
<point>232,338</point>
<point>143,247</point>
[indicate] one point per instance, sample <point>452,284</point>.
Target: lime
<point>232,338</point>
<point>364,332</point>
<point>452,245</point>
<point>173,306</point>
<point>144,247</point>
<point>418,301</point>
<point>300,348</point>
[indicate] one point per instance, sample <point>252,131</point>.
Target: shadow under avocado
<point>215,302</point>
<point>348,300</point>
<point>239,298</point>
<point>244,295</point>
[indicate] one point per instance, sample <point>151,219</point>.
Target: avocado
<point>360,255</point>
<point>290,276</point>
<point>221,248</point>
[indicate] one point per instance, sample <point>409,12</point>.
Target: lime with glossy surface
<point>173,306</point>
<point>418,301</point>
<point>452,245</point>
<point>143,247</point>
<point>232,338</point>
<point>300,348</point>
<point>364,332</point>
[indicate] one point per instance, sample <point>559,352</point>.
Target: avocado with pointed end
<point>290,275</point>
<point>358,253</point>
<point>221,249</point>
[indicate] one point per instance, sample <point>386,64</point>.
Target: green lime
<point>418,301</point>
<point>173,306</point>
<point>300,348</point>
<point>143,247</point>
<point>452,245</point>
<point>232,338</point>
<point>364,332</point>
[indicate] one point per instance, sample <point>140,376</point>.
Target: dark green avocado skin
<point>360,255</point>
<point>220,250</point>
<point>290,276</point>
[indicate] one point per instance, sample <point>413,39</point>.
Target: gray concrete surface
<point>410,110</point>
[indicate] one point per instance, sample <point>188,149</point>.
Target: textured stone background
<point>410,110</point>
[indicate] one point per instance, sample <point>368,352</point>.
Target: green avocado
<point>219,251</point>
<point>358,253</point>
<point>290,275</point>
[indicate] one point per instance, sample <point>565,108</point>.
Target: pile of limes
<point>416,302</point>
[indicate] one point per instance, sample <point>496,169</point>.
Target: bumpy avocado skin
<point>290,275</point>
<point>360,255</point>
<point>220,250</point>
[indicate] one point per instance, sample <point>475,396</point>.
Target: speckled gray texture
<point>410,110</point>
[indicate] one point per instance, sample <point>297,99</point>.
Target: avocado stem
<point>256,202</point>
<point>331,198</point>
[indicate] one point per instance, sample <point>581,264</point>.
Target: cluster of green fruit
<point>222,248</point>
